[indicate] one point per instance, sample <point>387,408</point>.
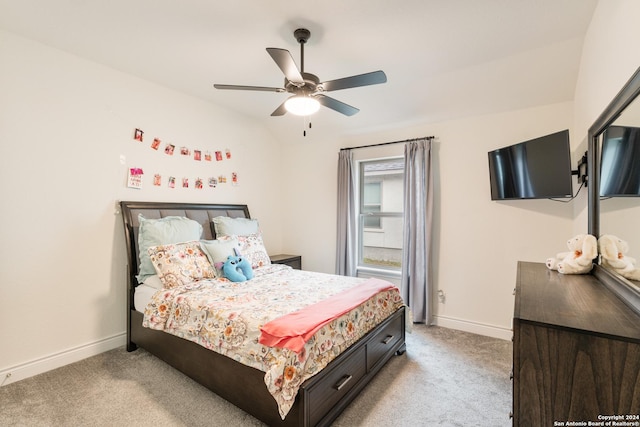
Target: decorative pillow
<point>180,263</point>
<point>252,248</point>
<point>226,226</point>
<point>154,232</point>
<point>219,250</point>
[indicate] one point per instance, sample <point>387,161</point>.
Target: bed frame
<point>320,399</point>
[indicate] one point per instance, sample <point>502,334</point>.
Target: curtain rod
<point>386,143</point>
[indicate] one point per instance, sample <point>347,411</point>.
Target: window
<point>380,190</point>
<point>371,202</point>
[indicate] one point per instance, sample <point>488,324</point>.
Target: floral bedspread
<point>226,317</point>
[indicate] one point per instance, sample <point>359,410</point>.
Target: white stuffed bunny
<point>583,248</point>
<point>613,251</point>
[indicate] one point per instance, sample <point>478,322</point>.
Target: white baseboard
<point>473,327</point>
<point>57,360</point>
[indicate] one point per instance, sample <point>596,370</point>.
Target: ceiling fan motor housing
<point>311,84</point>
<point>302,35</point>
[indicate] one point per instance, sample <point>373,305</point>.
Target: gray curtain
<point>346,230</point>
<point>418,219</point>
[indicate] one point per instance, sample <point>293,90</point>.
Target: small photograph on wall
<point>213,182</point>
<point>207,156</point>
<point>234,178</point>
<point>198,184</point>
<point>185,182</point>
<point>157,180</point>
<point>135,178</point>
<point>185,151</point>
<point>172,182</point>
<point>169,149</point>
<point>219,156</point>
<point>197,155</point>
<point>156,143</point>
<point>138,135</point>
<point>228,154</point>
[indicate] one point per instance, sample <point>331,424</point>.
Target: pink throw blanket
<point>293,330</point>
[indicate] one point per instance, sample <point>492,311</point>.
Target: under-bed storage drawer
<point>383,341</point>
<point>326,393</point>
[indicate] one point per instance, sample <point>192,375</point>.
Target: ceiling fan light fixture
<point>302,105</point>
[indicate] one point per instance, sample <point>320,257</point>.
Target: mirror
<point>612,214</point>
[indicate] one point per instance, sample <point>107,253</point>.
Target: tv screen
<point>620,162</point>
<point>536,169</point>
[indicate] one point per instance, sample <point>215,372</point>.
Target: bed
<point>319,399</point>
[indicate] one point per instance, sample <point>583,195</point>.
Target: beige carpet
<point>446,378</point>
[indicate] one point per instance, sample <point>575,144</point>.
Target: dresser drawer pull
<point>388,339</point>
<point>343,381</point>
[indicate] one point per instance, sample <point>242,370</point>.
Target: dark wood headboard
<point>203,213</point>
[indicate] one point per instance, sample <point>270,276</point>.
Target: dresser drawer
<point>383,341</point>
<point>326,393</point>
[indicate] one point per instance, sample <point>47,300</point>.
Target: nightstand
<point>293,261</point>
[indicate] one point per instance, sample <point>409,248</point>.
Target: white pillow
<point>218,250</point>
<point>226,226</point>
<point>154,281</point>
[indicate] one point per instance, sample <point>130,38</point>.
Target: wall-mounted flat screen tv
<point>620,162</point>
<point>536,169</point>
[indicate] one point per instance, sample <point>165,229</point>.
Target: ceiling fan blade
<point>367,79</point>
<point>336,105</point>
<point>259,88</point>
<point>280,111</point>
<point>285,61</point>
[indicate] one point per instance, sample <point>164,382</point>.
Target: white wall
<point>64,123</point>
<point>477,242</point>
<point>610,56</point>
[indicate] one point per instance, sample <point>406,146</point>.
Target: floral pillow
<point>252,248</point>
<point>180,263</point>
<point>154,232</point>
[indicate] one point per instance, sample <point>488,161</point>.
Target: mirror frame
<point>616,283</point>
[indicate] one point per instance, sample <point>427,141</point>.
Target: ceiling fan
<point>306,89</point>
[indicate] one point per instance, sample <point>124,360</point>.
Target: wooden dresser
<point>576,351</point>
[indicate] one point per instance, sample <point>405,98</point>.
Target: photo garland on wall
<point>134,179</point>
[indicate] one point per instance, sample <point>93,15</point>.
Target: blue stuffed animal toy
<point>237,269</point>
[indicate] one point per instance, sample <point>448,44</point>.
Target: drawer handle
<point>388,339</point>
<point>343,381</point>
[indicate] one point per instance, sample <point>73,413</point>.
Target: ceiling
<point>444,59</point>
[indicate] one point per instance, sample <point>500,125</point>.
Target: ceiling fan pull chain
<point>304,131</point>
